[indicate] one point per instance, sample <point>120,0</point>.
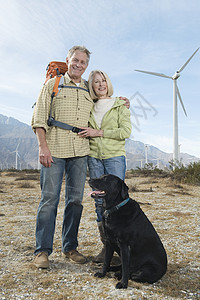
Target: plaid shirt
<point>71,106</point>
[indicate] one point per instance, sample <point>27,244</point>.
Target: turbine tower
<point>146,153</point>
<point>175,110</point>
<point>16,156</point>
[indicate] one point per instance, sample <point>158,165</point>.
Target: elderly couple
<point>100,146</point>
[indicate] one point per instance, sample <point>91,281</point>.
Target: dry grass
<point>174,211</point>
<point>27,177</point>
<point>26,185</point>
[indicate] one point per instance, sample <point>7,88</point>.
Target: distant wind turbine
<point>146,153</point>
<point>141,160</point>
<point>158,162</point>
<point>16,156</point>
<point>175,112</point>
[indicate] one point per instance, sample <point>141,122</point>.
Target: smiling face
<point>77,64</point>
<point>100,87</point>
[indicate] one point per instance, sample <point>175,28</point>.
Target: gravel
<point>174,212</point>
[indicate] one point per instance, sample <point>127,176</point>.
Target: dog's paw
<point>121,285</point>
<point>99,275</point>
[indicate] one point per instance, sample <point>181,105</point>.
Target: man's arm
<point>44,152</point>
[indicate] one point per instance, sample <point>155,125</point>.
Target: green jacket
<point>116,125</point>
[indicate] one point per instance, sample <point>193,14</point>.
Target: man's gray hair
<point>81,49</point>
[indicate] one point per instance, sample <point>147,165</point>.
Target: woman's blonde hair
<point>90,81</point>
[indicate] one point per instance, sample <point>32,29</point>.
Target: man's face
<point>77,65</point>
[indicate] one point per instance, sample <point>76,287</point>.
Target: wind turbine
<point>175,111</point>
<point>158,162</point>
<point>141,160</point>
<point>146,153</point>
<point>16,155</point>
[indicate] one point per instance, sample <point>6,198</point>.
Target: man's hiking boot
<point>41,260</point>
<point>75,256</point>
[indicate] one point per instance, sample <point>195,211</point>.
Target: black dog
<point>128,232</point>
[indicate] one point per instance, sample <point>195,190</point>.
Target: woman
<point>109,126</point>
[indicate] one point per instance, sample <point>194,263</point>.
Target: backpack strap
<point>52,122</point>
<point>58,85</point>
<point>54,93</point>
<point>73,87</point>
<point>61,85</point>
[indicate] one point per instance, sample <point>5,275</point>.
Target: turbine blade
<point>154,73</point>
<point>185,64</point>
<point>179,95</point>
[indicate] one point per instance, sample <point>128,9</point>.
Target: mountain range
<point>19,149</point>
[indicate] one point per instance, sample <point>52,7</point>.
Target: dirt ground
<point>172,208</point>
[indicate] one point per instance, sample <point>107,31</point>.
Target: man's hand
<point>44,153</point>
<point>45,156</point>
<point>127,103</point>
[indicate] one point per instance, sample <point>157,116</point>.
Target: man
<point>62,152</point>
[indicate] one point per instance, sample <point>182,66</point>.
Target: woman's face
<point>100,86</point>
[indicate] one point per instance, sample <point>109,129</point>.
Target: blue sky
<point>151,35</point>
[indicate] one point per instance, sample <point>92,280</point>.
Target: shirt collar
<point>68,80</point>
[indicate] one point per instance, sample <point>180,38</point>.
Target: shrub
<point>188,174</point>
<point>150,170</point>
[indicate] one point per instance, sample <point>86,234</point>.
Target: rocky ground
<point>172,208</point>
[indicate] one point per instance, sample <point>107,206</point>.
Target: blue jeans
<point>97,167</point>
<point>51,181</point>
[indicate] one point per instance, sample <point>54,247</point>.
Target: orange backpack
<point>55,68</point>
<point>58,69</point>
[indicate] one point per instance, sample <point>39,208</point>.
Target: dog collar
<point>115,208</point>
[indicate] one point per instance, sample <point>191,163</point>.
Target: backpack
<point>58,69</point>
<point>55,68</point>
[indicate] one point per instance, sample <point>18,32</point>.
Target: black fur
<point>129,232</point>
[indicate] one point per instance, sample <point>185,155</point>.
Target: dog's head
<point>111,188</point>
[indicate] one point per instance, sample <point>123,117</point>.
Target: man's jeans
<point>51,181</point>
<point>97,167</point>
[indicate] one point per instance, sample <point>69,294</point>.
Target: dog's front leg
<point>107,259</point>
<point>125,259</point>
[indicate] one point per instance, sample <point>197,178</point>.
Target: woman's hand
<point>90,132</point>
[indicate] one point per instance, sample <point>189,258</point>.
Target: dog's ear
<point>124,190</point>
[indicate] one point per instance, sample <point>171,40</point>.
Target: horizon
<point>169,153</point>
